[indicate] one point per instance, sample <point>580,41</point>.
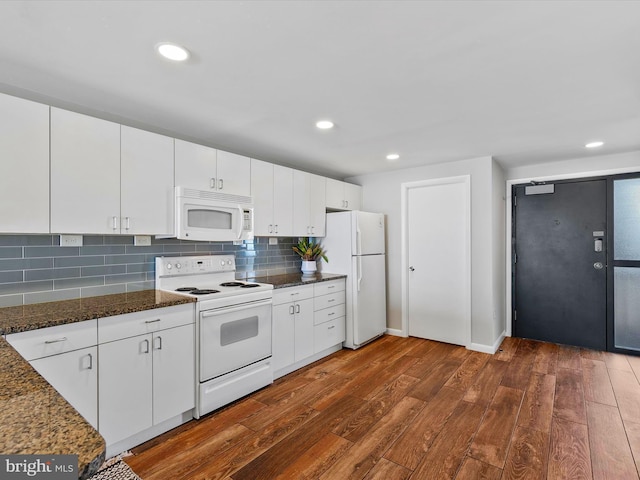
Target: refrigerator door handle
<point>358,241</point>
<point>359,272</point>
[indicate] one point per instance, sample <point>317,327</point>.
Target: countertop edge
<point>296,279</point>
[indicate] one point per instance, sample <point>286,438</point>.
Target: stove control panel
<point>173,266</point>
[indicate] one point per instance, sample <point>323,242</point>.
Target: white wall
<point>579,167</point>
<point>381,193</point>
<point>498,242</point>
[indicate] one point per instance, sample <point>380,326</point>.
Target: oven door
<point>233,337</point>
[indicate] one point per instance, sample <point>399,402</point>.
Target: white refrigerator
<point>355,246</point>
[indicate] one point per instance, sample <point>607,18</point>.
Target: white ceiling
<point>526,82</point>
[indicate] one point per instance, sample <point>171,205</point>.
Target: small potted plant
<point>310,253</point>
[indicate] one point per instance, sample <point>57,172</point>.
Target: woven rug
<point>116,471</point>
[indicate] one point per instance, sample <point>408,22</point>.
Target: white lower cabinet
<point>307,322</point>
<point>146,379</point>
<point>75,376</point>
<point>66,357</point>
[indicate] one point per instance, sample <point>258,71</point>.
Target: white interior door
<point>438,260</point>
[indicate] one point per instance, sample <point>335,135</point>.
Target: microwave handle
<point>241,222</point>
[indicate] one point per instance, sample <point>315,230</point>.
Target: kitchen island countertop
<point>296,279</point>
<point>34,417</point>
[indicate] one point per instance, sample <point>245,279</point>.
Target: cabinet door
<point>173,372</point>
<point>283,339</point>
<point>195,166</point>
<point>353,196</point>
<point>24,166</point>
<point>282,200</point>
<point>317,205</point>
<point>335,194</point>
<point>301,224</point>
<point>304,329</point>
<point>85,174</point>
<point>75,376</point>
<point>125,388</point>
<point>262,191</point>
<point>234,174</point>
<point>147,195</point>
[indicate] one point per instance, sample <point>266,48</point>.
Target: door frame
<point>404,238</point>
<point>509,225</point>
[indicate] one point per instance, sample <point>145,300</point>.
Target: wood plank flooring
<point>407,408</point>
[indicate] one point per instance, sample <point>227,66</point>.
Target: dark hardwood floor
<point>406,408</point>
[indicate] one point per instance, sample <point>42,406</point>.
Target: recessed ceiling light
<point>594,144</point>
<point>172,51</point>
<point>324,124</point>
<point>393,156</point>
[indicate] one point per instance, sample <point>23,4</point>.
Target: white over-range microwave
<point>213,216</point>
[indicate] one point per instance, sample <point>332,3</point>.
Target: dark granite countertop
<point>35,419</point>
<point>41,315</point>
<point>295,279</point>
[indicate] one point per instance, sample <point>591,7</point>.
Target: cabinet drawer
<point>328,334</point>
<point>326,301</point>
<point>138,323</point>
<point>322,316</point>
<point>324,288</point>
<point>292,294</point>
<point>45,342</point>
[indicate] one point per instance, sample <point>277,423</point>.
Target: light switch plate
<point>70,240</point>
<point>142,240</point>
<point>273,241</point>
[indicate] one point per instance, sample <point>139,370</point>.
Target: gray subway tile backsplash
<point>35,269</point>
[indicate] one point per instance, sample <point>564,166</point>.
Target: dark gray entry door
<point>560,284</point>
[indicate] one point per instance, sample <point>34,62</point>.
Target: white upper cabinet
<point>147,195</point>
<point>343,196</point>
<point>309,204</point>
<point>205,168</point>
<point>24,166</point>
<point>108,179</point>
<point>85,174</point>
<point>234,174</point>
<point>272,191</point>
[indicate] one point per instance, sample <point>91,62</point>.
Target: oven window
<point>212,219</point>
<point>238,330</point>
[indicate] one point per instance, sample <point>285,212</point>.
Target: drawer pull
<point>331,300</point>
<point>332,326</point>
<point>331,286</point>
<point>330,314</point>
<point>63,339</point>
<point>152,321</point>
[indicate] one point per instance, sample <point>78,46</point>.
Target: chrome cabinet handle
<point>90,367</point>
<point>159,347</point>
<point>331,314</point>
<point>114,221</point>
<point>332,326</point>
<point>291,310</point>
<point>152,321</point>
<point>220,184</point>
<point>146,350</point>
<point>331,300</point>
<point>270,228</point>
<point>346,203</point>
<point>61,339</point>
<point>312,229</point>
<point>127,222</point>
<point>276,228</point>
<point>212,182</point>
<point>297,308</point>
<point>331,286</point>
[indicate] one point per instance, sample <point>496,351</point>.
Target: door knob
<point>598,266</point>
<point>412,269</point>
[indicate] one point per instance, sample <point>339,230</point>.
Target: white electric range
<point>233,326</point>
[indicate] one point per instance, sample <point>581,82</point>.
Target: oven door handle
<point>237,308</point>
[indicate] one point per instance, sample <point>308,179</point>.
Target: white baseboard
<point>395,331</point>
<point>490,349</point>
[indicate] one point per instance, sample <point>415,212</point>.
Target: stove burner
<point>232,284</point>
<point>186,289</point>
<point>204,291</point>
<point>250,285</point>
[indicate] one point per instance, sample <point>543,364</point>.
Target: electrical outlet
<point>142,240</point>
<point>273,240</point>
<point>70,240</point>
